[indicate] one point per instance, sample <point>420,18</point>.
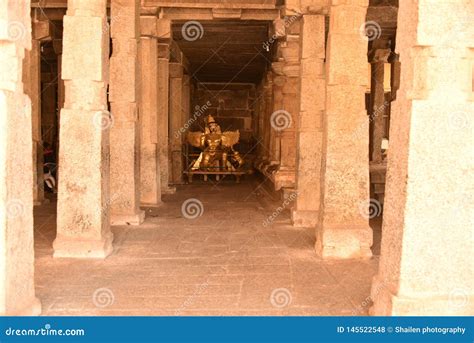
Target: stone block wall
<point>232,106</point>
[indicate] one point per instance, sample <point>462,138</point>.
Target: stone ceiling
<point>226,50</point>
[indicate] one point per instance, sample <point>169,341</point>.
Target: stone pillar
<point>286,109</point>
<point>277,105</point>
<point>268,98</point>
<point>163,116</point>
<point>17,291</point>
<point>377,102</point>
<point>83,223</point>
<point>32,87</point>
<point>312,105</point>
<point>344,230</point>
<point>426,265</point>
<point>150,179</point>
<point>186,114</point>
<point>176,123</point>
<point>124,133</point>
<point>58,49</point>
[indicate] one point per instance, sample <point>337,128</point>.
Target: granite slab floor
<point>224,262</point>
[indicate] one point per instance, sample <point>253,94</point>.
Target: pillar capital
<point>152,26</point>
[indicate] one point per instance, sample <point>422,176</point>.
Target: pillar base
<point>388,304</point>
<point>33,309</point>
<point>128,219</point>
<point>304,218</point>
<point>168,190</point>
<point>83,248</point>
<point>344,242</point>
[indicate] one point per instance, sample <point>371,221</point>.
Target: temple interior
<point>249,157</point>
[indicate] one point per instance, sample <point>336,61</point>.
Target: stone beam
<point>176,13</point>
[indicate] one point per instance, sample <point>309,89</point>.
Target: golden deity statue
<point>217,153</point>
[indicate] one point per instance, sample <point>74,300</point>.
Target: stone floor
<point>225,262</point>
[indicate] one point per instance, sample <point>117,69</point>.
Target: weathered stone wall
<point>232,106</point>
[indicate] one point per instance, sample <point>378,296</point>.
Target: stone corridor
<point>225,262</point>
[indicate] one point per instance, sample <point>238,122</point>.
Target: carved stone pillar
<point>312,105</point>
<point>377,102</point>
<point>343,229</point>
<point>163,117</point>
<point>426,265</point>
<point>123,97</point>
<point>83,222</point>
<point>32,86</point>
<point>17,291</point>
<point>150,177</point>
<point>176,123</point>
